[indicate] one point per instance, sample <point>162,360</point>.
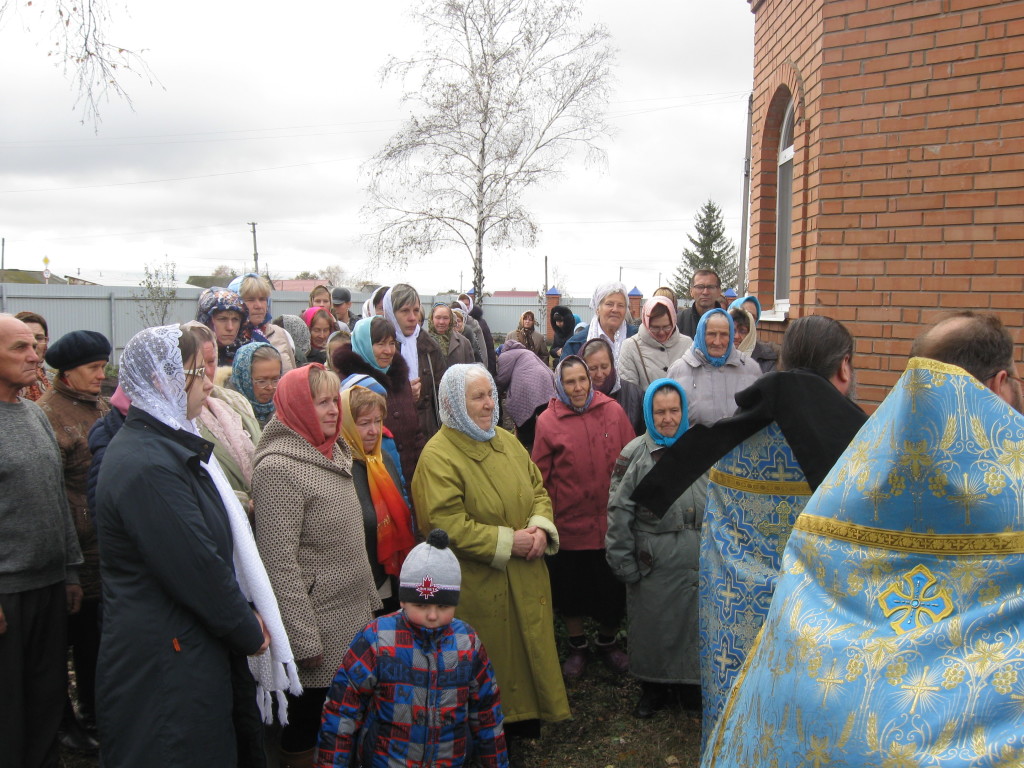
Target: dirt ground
<point>601,733</point>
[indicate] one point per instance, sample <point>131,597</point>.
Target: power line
<point>179,178</point>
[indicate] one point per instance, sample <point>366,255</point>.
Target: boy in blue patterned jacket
<point>416,688</point>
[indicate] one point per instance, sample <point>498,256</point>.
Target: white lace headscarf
<point>407,344</point>
<point>595,331</point>
<point>452,400</point>
<point>153,376</point>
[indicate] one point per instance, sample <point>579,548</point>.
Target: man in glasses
<point>705,290</point>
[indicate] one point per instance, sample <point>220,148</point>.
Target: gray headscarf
<point>452,400</point>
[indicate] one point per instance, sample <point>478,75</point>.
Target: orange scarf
<point>395,538</point>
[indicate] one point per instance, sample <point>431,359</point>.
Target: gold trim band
<point>906,541</point>
<point>764,487</point>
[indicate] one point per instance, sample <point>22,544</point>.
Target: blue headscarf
<point>362,342</point>
<point>560,390</point>
<point>241,379</point>
<point>700,337</point>
<point>684,423</point>
<point>366,381</point>
<point>738,304</point>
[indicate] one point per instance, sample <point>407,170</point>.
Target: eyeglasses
<point>702,288</point>
<point>267,383</point>
<point>199,373</point>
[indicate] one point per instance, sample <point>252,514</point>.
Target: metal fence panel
<point>118,311</point>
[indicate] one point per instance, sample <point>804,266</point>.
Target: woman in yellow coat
<point>477,482</point>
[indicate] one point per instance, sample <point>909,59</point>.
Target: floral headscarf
<point>241,379</point>
<point>295,409</point>
<point>684,423</point>
<point>395,538</point>
<point>152,376</point>
<point>560,389</point>
<point>747,345</point>
<point>700,341</point>
<point>522,335</point>
<point>222,300</point>
<point>452,401</point>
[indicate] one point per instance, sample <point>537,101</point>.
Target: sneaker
<point>614,657</point>
<point>574,665</point>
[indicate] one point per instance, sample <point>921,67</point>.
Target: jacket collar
<point>193,446</point>
<point>74,394</point>
<point>690,356</point>
<point>475,449</point>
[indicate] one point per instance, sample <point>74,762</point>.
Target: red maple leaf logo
<point>427,589</point>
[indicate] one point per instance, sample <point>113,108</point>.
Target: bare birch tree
<point>77,32</point>
<point>503,93</point>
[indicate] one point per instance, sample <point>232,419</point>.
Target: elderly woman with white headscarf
<point>180,569</point>
<point>426,361</point>
<point>610,305</point>
<point>478,483</point>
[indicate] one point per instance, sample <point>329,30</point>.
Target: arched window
<point>784,209</point>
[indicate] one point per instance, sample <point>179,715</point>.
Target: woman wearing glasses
<point>174,549</point>
<point>255,372</point>
<point>226,420</point>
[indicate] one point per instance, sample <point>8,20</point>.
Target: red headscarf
<point>294,408</point>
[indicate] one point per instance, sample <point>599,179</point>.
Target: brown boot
<point>296,759</point>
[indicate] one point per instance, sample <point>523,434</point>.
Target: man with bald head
<point>979,344</point>
<point>39,555</point>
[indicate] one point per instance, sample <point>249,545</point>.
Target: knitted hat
<point>431,574</point>
<point>77,348</point>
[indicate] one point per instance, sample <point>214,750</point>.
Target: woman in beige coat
<point>309,529</point>
<point>656,346</point>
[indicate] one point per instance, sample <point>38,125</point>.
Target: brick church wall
<point>908,181</point>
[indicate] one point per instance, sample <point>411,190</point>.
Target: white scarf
<point>152,376</point>
<point>597,332</point>
<point>407,343</point>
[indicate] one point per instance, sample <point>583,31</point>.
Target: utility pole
<point>620,274</point>
<point>545,276</point>
<point>255,253</point>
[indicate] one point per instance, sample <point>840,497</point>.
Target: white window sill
<point>777,314</point>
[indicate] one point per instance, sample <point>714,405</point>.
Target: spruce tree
<point>709,249</point>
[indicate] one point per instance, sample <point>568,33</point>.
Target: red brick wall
<point>909,168</point>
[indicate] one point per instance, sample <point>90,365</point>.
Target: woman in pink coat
<point>578,439</point>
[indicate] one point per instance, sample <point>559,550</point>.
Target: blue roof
<point>636,292</point>
<point>553,291</point>
<point>731,293</point>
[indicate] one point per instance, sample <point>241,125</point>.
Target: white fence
<point>120,312</point>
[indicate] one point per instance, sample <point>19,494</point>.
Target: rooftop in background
<point>512,294</point>
<point>28,276</point>
<point>298,285</point>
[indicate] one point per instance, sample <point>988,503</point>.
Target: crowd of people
<point>311,532</point>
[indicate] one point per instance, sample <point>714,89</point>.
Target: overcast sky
<point>268,116</point>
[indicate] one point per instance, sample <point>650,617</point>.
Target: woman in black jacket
<point>176,624</point>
